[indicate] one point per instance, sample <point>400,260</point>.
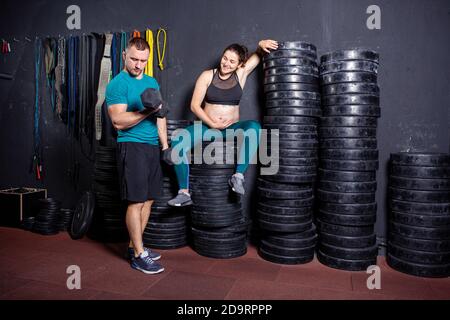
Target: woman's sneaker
<point>152,254</point>
<point>182,199</point>
<point>146,264</point>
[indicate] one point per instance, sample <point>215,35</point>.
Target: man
<point>138,150</point>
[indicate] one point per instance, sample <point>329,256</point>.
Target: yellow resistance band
<point>149,67</point>
<point>161,57</point>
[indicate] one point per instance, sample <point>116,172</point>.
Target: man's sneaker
<point>153,255</point>
<point>236,183</point>
<point>146,264</point>
<point>182,199</point>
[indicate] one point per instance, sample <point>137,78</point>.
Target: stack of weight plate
<point>419,228</point>
<point>167,227</point>
<point>109,218</point>
<point>346,208</point>
<point>47,220</point>
<point>65,219</point>
<point>286,198</point>
<point>219,228</point>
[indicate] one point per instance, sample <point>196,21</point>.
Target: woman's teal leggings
<point>251,130</point>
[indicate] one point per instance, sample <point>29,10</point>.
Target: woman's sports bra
<point>227,92</point>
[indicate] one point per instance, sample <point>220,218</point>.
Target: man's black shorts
<point>140,174</point>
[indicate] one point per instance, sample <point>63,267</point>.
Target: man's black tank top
<point>227,92</point>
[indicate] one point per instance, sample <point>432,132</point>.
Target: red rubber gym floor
<point>34,266</point>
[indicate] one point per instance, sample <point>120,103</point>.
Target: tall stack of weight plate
<point>109,217</point>
<point>419,215</point>
<point>346,207</point>
<point>285,207</point>
<point>219,228</point>
<point>168,226</point>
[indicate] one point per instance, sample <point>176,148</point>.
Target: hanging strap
<point>60,75</point>
<point>105,69</point>
<point>161,56</point>
<point>149,66</point>
<point>36,164</point>
<point>123,46</point>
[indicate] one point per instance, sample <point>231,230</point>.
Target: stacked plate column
<point>292,110</point>
<point>219,228</point>
<point>346,206</point>
<point>168,227</point>
<point>419,216</point>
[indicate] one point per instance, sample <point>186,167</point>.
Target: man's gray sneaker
<point>182,199</point>
<point>146,264</point>
<point>236,183</point>
<point>152,254</point>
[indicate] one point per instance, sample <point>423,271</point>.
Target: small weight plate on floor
<point>82,216</point>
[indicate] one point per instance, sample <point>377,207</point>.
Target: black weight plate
<point>293,135</point>
<point>289,219</point>
<point>291,103</point>
<point>350,54</point>
<point>289,203</point>
<point>348,242</point>
<point>340,230</point>
<point>262,183</point>
<point>421,159</point>
<point>349,265</point>
<point>211,210</point>
<point>346,176</point>
<point>290,78</point>
<point>345,198</point>
<point>422,257</point>
<point>284,62</point>
<point>337,186</point>
<point>291,178</point>
<point>296,170</point>
<point>290,120</point>
<point>270,209</point>
<point>348,121</point>
<point>349,253</point>
<point>283,259</point>
<point>416,269</point>
<point>222,255</point>
<point>297,45</point>
<point>232,240</point>
<point>166,237</point>
<point>296,153</point>
<point>298,161</point>
<point>291,87</point>
<point>435,233</point>
<point>349,143</point>
<point>286,128</point>
<point>349,165</point>
<point>277,54</point>
<point>285,194</point>
<point>302,95</point>
<point>347,220</point>
<point>419,184</point>
<point>351,110</point>
<point>350,65</point>
<point>299,241</point>
<point>349,154</point>
<point>420,208</point>
<point>350,132</point>
<point>296,70</point>
<point>352,87</point>
<point>82,216</point>
<point>197,172</point>
<point>366,208</point>
<point>295,111</point>
<point>174,245</point>
<point>419,244</point>
<point>285,227</point>
<point>285,251</point>
<point>418,220</point>
<point>343,99</point>
<point>420,196</point>
<point>289,144</point>
<point>420,172</point>
<point>339,77</point>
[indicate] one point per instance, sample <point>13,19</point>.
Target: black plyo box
<point>17,203</point>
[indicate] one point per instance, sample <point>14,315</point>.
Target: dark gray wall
<point>414,74</point>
